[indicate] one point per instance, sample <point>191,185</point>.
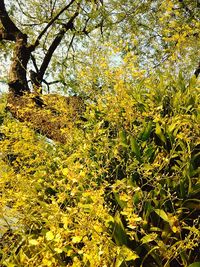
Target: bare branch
<point>197,71</point>
<point>8,24</point>
<point>56,81</point>
<point>34,63</point>
<point>186,8</point>
<point>23,12</point>
<point>69,25</point>
<point>52,21</point>
<point>53,7</point>
<point>6,35</point>
<point>70,45</point>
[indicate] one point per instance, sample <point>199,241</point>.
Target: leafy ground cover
<point>123,190</point>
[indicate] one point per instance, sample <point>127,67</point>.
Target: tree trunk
<point>36,110</point>
<point>17,80</point>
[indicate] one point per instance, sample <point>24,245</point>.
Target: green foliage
<point>122,191</point>
<point>123,188</point>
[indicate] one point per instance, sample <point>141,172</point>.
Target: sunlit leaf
<point>119,233</point>
<point>33,242</point>
<point>125,255</point>
<point>162,214</point>
<point>147,131</point>
<point>159,133</point>
<point>148,238</point>
<point>49,236</point>
<point>76,239</point>
<point>195,264</point>
<point>134,147</point>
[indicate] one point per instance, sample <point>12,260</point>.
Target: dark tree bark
<point>17,76</point>
<point>24,105</point>
<point>197,71</point>
<point>17,80</point>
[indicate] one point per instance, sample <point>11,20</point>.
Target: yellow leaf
<point>58,250</point>
<point>49,236</point>
<point>65,171</point>
<point>174,229</point>
<point>65,221</point>
<point>125,254</point>
<point>98,228</point>
<point>47,262</point>
<point>76,239</point>
<point>33,242</point>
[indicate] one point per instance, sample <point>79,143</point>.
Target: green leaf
<point>123,137</point>
<point>93,14</point>
<point>171,127</point>
<point>149,153</point>
<point>147,131</point>
<point>159,133</point>
<point>119,233</point>
<point>148,238</point>
<point>195,264</point>
<point>125,254</point>
<point>181,82</point>
<point>192,204</point>
<point>162,214</point>
<point>134,147</point>
<point>120,202</point>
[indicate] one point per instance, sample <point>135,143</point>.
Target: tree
<point>75,19</point>
<point>23,53</point>
<point>116,181</point>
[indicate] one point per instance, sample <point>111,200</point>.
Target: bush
<point>122,191</point>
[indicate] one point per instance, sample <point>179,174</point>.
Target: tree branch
<point>70,45</point>
<point>197,71</point>
<point>186,8</point>
<point>17,73</point>
<point>34,63</point>
<point>8,24</point>
<point>54,45</point>
<point>52,21</point>
<point>6,35</point>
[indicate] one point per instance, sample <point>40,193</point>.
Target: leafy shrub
<point>123,190</point>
